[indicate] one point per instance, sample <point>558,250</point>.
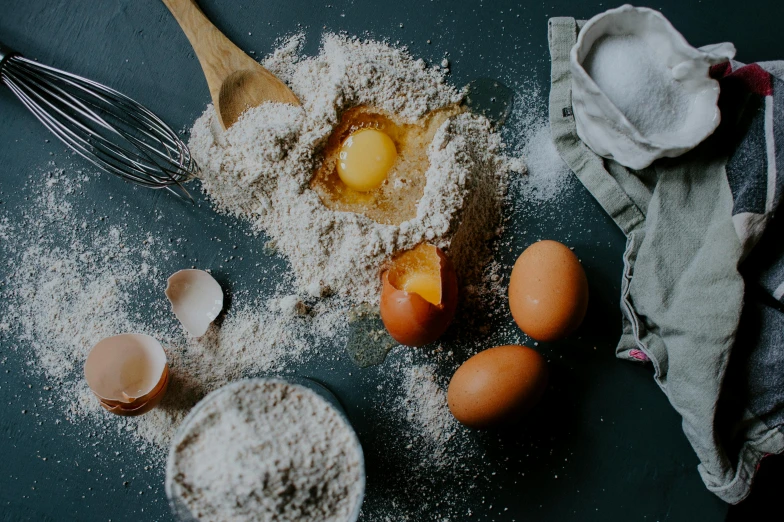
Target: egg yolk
<point>425,286</point>
<point>365,159</point>
<point>418,271</point>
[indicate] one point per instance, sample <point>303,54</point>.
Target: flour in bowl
<point>266,451</point>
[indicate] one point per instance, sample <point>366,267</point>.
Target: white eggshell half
<point>125,367</point>
<point>196,299</point>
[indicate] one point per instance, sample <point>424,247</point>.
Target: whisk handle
<point>5,54</point>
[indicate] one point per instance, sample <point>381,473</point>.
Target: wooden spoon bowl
<point>236,81</point>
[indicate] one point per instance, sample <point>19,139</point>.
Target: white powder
<point>267,451</point>
<point>546,176</point>
<point>260,169</point>
<point>634,76</point>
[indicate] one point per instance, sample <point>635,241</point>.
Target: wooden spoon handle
<point>218,56</point>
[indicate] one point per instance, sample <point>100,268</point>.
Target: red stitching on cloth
<point>639,355</point>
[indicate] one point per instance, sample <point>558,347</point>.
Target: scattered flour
<point>431,463</point>
<point>425,407</point>
<point>260,169</point>
<point>68,296</point>
<point>266,451</point>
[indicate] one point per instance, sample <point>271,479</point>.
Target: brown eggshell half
<point>497,386</point>
<point>548,291</point>
<point>127,363</point>
<point>142,404</point>
<point>410,319</point>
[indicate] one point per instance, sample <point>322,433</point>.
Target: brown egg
<point>497,386</point>
<point>419,295</point>
<point>548,291</point>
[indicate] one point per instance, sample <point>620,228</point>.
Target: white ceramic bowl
<point>605,129</point>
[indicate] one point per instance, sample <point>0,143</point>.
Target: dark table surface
<point>625,455</point>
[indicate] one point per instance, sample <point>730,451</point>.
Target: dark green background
<point>626,456</point>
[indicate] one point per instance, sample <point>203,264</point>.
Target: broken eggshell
<point>196,299</point>
<point>410,318</point>
<point>128,373</point>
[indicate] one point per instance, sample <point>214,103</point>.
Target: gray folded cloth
<point>703,280</point>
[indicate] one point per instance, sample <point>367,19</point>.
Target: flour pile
<point>261,167</point>
<point>267,451</point>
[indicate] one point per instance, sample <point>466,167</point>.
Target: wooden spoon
<point>236,81</point>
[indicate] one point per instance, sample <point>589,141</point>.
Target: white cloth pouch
<point>661,82</point>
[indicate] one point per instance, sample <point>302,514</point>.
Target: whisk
<point>107,128</point>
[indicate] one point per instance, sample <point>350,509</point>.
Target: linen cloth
<point>703,280</point>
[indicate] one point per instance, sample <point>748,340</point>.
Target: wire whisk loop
<point>107,128</point>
